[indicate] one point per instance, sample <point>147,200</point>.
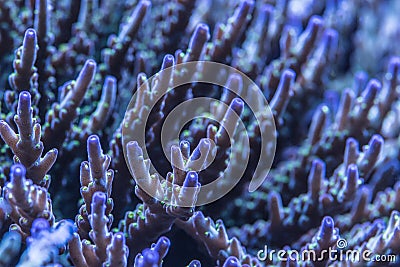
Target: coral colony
<point>82,185</point>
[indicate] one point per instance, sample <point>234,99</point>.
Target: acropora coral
<point>79,80</point>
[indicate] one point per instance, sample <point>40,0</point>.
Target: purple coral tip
<point>234,81</point>
<point>145,3</point>
<point>237,105</point>
<point>232,262</point>
<point>288,75</point>
<point>202,31</point>
<point>185,148</point>
<point>315,22</point>
<point>360,80</point>
<point>247,3</point>
<point>39,225</point>
<point>327,228</point>
<point>93,146</point>
<point>267,8</point>
<point>118,240</point>
<point>204,144</point>
<point>150,257</point>
<point>374,85</point>
<point>24,99</point>
<point>99,198</point>
<point>168,61</point>
<point>331,35</point>
<point>119,237</point>
<point>17,171</point>
<point>162,246</point>
<point>318,166</point>
<point>194,263</point>
<point>90,65</point>
<point>110,80</point>
<point>361,76</point>
<point>30,34</point>
<point>93,139</point>
<point>25,95</point>
<point>202,27</point>
<point>90,62</point>
<point>394,65</point>
<point>327,222</point>
<point>191,179</point>
<point>352,170</point>
<point>351,142</point>
<point>163,241</point>
<point>205,141</point>
<point>134,149</point>
<point>376,142</point>
<point>184,144</point>
<point>331,38</point>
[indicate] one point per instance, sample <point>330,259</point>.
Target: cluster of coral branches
<point>68,69</point>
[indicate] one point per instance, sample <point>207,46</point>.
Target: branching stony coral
<point>71,146</point>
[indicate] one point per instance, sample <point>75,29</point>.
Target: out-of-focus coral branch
<point>45,242</point>
<point>118,45</point>
<point>98,119</point>
<point>9,248</point>
<point>61,116</point>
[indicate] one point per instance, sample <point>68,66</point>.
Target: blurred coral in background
<point>330,70</point>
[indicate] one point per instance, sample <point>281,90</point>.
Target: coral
<point>108,160</point>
